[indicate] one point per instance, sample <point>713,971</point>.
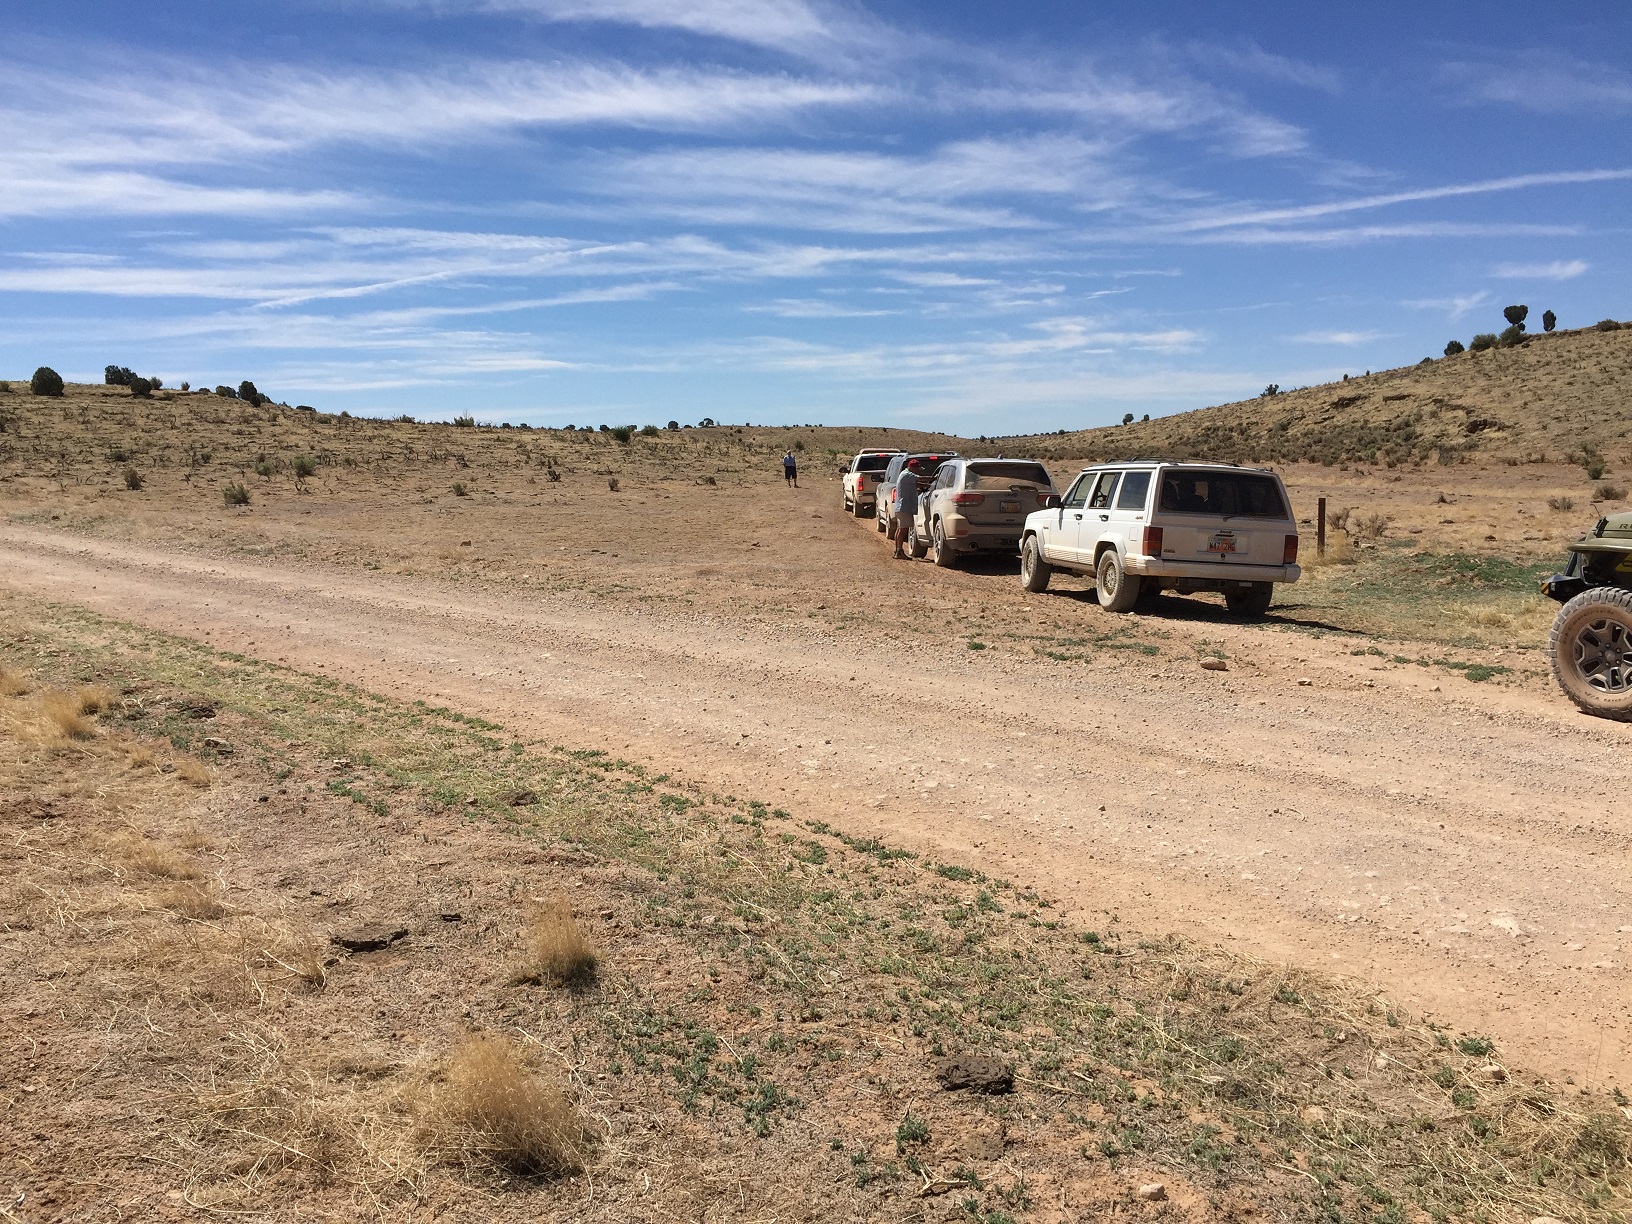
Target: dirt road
<point>1465,849</point>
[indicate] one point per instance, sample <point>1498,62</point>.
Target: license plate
<point>1221,544</point>
<point>1010,507</point>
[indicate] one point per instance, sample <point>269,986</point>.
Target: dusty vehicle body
<point>863,476</point>
<point>1590,645</point>
<point>978,506</point>
<point>1149,525</point>
<point>929,465</point>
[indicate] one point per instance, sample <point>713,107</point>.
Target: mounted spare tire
<point>1591,652</point>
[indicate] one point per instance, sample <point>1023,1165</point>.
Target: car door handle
<point>1104,518</point>
<point>1076,516</point>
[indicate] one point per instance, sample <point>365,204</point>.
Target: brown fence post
<point>1320,527</point>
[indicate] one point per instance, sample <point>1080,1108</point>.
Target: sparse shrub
<point>553,476</point>
<point>264,468</point>
<point>250,396</point>
<point>46,381</point>
<point>464,422</point>
<point>509,1116</point>
<point>1561,503</point>
<point>1516,315</point>
<point>133,480</point>
<point>5,386</point>
<point>235,495</point>
<point>1595,469</point>
<point>1609,492</point>
<point>649,431</point>
<point>1144,418</point>
<point>305,466</point>
<point>556,952</point>
<point>1338,520</point>
<point>403,419</point>
<point>612,483</point>
<point>1455,347</point>
<point>64,712</point>
<point>606,429</point>
<point>674,424</point>
<point>226,393</point>
<point>186,386</point>
<point>118,376</point>
<point>1127,418</point>
<point>1483,341</point>
<point>1368,526</point>
<point>622,432</point>
<point>705,423</point>
<point>1549,320</point>
<point>1511,336</point>
<point>141,388</point>
<point>1269,392</point>
<point>1608,325</point>
<point>458,489</point>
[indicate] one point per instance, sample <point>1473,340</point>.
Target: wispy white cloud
<point>805,308</point>
<point>1557,270</point>
<point>1249,59</point>
<point>1305,212</point>
<point>1542,80</point>
<point>1456,306</point>
<point>1336,337</point>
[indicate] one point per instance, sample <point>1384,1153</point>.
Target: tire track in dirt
<point>1443,848</point>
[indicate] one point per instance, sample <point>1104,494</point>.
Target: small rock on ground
<point>976,1072</point>
<point>1155,1192</point>
<point>1214,665</point>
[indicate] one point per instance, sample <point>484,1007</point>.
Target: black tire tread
<point>1616,597</point>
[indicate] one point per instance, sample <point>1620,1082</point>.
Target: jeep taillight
<point>1289,555</point>
<point>968,499</point>
<point>1153,541</point>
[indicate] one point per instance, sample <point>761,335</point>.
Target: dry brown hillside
<point>1545,400</point>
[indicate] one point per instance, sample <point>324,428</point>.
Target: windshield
<point>993,473</point>
<point>872,463</point>
<point>928,466</point>
<point>1231,494</point>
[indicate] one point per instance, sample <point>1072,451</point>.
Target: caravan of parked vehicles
<point>1136,527</point>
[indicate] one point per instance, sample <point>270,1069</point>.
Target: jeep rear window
<point>986,473</point>
<point>872,463</point>
<point>1236,494</point>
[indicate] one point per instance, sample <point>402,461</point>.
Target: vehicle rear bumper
<point>966,535</point>
<point>1211,571</point>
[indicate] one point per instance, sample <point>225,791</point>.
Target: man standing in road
<point>790,470</point>
<point>906,504</point>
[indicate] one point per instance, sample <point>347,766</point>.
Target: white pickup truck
<point>862,476</point>
<point>1148,525</point>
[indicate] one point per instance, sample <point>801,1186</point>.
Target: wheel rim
<point>1603,656</point>
<point>1028,561</point>
<point>1108,579</point>
<point>939,538</point>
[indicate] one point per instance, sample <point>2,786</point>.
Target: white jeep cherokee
<point>1151,525</point>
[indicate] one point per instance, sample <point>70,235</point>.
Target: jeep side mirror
<point>1050,500</point>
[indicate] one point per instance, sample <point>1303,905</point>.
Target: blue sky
<point>977,217</point>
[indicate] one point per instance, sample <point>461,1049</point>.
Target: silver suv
<point>928,465</point>
<point>1150,525</point>
<point>978,505</point>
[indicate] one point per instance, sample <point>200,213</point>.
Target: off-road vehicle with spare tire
<point>1591,642</point>
<point>1149,525</point>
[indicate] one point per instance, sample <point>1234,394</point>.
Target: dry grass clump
<point>12,683</point>
<point>152,858</point>
<point>193,772</point>
<point>192,901</point>
<point>1340,550</point>
<point>556,952</point>
<point>94,698</point>
<point>66,715</point>
<point>501,1112</point>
